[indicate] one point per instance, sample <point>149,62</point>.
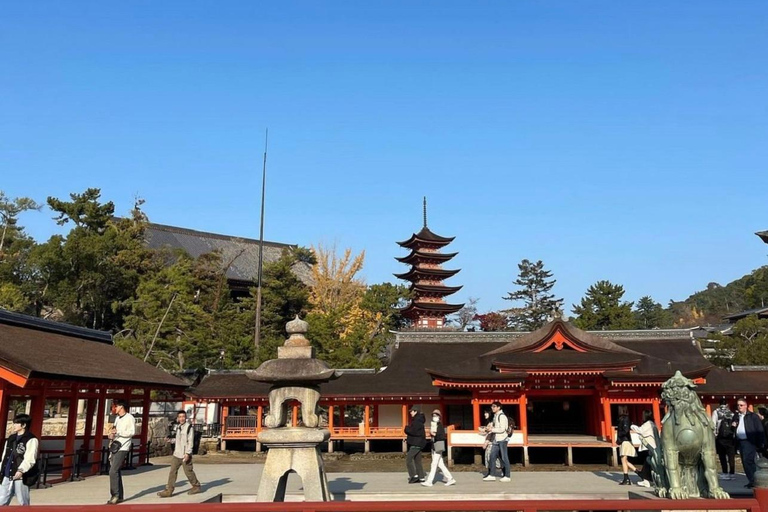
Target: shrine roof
<point>741,383</point>
<point>763,236</point>
<point>432,288</point>
<point>425,235</point>
<point>433,307</point>
<point>34,348</point>
<point>243,252</point>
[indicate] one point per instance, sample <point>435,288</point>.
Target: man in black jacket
<point>751,438</point>
<point>416,440</point>
<point>19,462</point>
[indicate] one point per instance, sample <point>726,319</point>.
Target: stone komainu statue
<point>684,460</point>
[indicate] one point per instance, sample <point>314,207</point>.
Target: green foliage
<point>649,314</point>
<point>746,345</point>
<point>283,296</point>
<point>538,302</point>
<point>602,308</point>
<point>709,306</point>
<point>87,278</point>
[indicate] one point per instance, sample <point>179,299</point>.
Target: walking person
<point>488,443</point>
<point>439,446</point>
<point>183,444</point>
<point>725,422</point>
<point>19,464</point>
<point>751,438</point>
<point>626,448</point>
<point>416,440</point>
<point>499,444</point>
<point>122,432</point>
<point>647,433</point>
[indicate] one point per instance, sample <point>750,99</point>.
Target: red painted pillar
<point>330,418</point>
<point>90,410</point>
<point>69,442</point>
<point>259,418</point>
<point>37,413</point>
<point>523,404</point>
<point>367,421</point>
<point>341,416</point>
<point>608,425</point>
<point>294,415</point>
<point>761,495</point>
<point>98,437</point>
<point>476,413</point>
<point>657,412</point>
<point>146,403</point>
<point>4,404</point>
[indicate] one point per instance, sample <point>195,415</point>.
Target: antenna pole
<point>425,211</point>
<point>257,336</point>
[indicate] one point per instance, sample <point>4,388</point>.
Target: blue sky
<point>613,140</point>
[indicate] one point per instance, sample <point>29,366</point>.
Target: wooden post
<point>146,403</point>
<point>295,416</point>
<point>37,412</point>
<point>4,405</point>
<point>259,420</point>
<point>90,410</point>
<point>476,413</point>
<point>367,420</point>
<point>98,437</point>
<point>405,415</point>
<point>657,412</point>
<point>69,460</point>
<point>224,413</point>
<point>608,429</point>
<point>330,428</point>
<point>524,417</point>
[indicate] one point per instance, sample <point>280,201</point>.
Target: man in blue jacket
<point>751,438</point>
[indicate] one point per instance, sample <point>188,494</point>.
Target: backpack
<point>725,429</point>
<point>510,426</point>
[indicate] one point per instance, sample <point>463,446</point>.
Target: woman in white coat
<point>439,445</point>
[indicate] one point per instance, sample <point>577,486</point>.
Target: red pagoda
<point>428,308</point>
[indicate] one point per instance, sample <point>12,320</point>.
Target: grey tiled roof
<point>245,251</point>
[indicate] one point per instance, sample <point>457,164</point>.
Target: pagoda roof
<point>431,307</point>
<point>436,256</point>
<point>416,272</point>
<point>763,236</point>
<point>433,288</point>
<point>426,236</point>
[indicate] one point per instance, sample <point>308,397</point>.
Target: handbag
<point>115,446</point>
<point>439,446</point>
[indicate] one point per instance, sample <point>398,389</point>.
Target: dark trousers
<point>645,472</point>
<point>499,449</point>
<point>116,473</point>
<point>413,463</point>
<point>748,454</point>
<point>726,450</point>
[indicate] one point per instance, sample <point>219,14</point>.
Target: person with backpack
<point>725,422</point>
<point>500,429</point>
<point>19,464</point>
<point>184,443</point>
<point>439,446</point>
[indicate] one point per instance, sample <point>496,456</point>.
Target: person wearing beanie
<point>439,446</point>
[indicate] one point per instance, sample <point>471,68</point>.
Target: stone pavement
<point>238,482</point>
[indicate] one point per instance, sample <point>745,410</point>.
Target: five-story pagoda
<point>428,308</point>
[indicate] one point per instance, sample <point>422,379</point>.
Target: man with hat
<point>439,446</point>
<point>416,440</point>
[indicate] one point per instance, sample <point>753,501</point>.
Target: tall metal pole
<point>257,336</point>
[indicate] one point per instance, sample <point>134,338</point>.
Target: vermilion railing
<point>751,505</point>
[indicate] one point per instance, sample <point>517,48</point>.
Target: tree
<point>538,302</point>
<point>746,345</point>
<point>649,314</point>
<point>466,315</point>
<point>86,277</point>
<point>9,215</point>
<point>336,287</point>
<point>492,321</point>
<point>602,308</point>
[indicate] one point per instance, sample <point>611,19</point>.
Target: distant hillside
<point>708,307</point>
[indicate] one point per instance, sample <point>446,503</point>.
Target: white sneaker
<point>731,476</point>
<point>723,476</point>
<point>644,483</point>
<point>489,478</point>
<point>505,479</point>
<point>450,482</point>
<point>427,484</point>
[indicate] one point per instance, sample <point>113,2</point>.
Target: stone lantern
<point>294,375</point>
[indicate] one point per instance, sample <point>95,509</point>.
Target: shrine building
<point>564,387</point>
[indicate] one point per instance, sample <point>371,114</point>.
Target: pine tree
<point>602,309</point>
<point>539,303</point>
<point>649,314</point>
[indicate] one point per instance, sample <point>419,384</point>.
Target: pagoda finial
<point>425,211</point>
